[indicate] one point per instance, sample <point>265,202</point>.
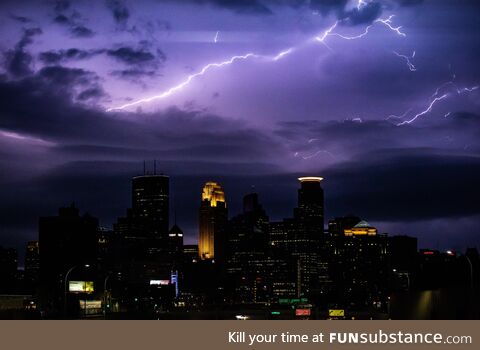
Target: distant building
<point>403,253</point>
<point>150,204</point>
<point>337,226</point>
<point>190,253</point>
<point>212,223</point>
<point>363,228</point>
<point>302,239</point>
<point>32,263</point>
<point>8,270</point>
<point>175,241</point>
<point>247,252</point>
<point>360,267</point>
<point>310,208</point>
<point>68,242</point>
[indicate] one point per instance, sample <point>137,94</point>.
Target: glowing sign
<point>80,287</point>
<point>303,312</point>
<point>159,282</point>
<point>336,313</point>
<point>90,304</point>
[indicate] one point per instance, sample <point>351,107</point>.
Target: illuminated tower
<point>212,222</point>
<point>308,233</point>
<point>310,202</point>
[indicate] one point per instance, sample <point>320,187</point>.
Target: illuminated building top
<point>213,193</point>
<point>363,228</point>
<point>310,179</point>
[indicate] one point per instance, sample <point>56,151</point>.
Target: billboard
<point>80,287</point>
<point>90,304</point>
<point>159,282</point>
<point>336,313</point>
<point>302,312</point>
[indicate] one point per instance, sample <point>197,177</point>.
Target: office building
<point>212,223</point>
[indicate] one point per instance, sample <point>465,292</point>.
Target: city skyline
<point>246,266</point>
<point>380,97</point>
<point>166,212</point>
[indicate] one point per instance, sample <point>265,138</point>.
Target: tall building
<point>308,233</point>
<point>301,238</point>
<point>68,242</point>
<point>150,204</point>
<point>8,270</point>
<point>32,263</point>
<point>145,250</point>
<point>247,251</point>
<point>311,202</point>
<point>360,267</point>
<point>212,223</point>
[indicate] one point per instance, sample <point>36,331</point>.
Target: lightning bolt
<point>427,110</point>
<point>16,136</point>
<point>436,97</point>
<point>407,59</point>
<point>251,55</point>
<point>185,82</point>
<point>316,154</point>
<point>215,40</point>
<point>204,70</point>
<point>361,3</point>
<point>385,21</point>
<point>393,116</point>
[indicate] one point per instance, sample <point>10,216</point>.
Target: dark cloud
<point>129,55</point>
<point>328,6</point>
<point>239,6</point>
<point>62,5</point>
<point>142,63</point>
<point>72,20</point>
<point>409,2</point>
<point>365,14</point>
<point>55,83</point>
<point>81,31</point>
<point>19,60</point>
<point>135,74</point>
<point>406,187</point>
<point>58,76</point>
<point>119,11</point>
<point>132,56</point>
<point>91,94</point>
<point>61,19</point>
<point>59,56</point>
<point>21,19</point>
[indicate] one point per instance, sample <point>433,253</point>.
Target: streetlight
<point>105,296</point>
<point>65,287</point>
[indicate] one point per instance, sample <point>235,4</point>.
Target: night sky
<point>381,98</point>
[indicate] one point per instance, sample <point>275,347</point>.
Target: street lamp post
<point>65,288</point>
<point>105,296</point>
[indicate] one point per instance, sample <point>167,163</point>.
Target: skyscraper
<point>68,242</point>
<point>144,251</point>
<point>212,222</point>
<point>150,204</point>
<point>247,252</point>
<point>310,202</point>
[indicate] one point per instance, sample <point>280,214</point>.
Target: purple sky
<point>343,103</point>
